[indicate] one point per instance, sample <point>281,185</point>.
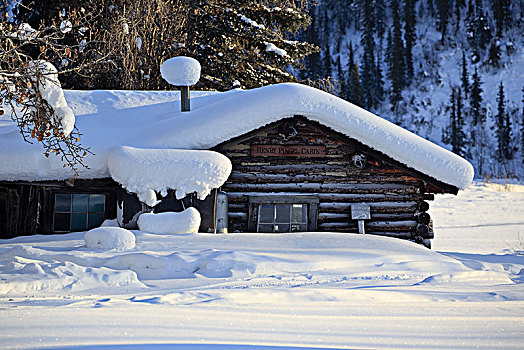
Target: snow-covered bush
<point>181,71</point>
<point>116,238</point>
<point>187,221</point>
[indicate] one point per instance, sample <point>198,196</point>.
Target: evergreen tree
<point>475,100</point>
<point>502,15</point>
<point>354,95</point>
<point>379,10</point>
<point>409,37</point>
<point>503,125</point>
<point>232,39</point>
<point>457,137</point>
<point>313,69</point>
<point>522,129</point>
<point>327,49</point>
<point>465,77</point>
<point>369,80</point>
<point>494,54</point>
<point>443,9</point>
<point>478,32</point>
<point>341,77</point>
<point>397,68</point>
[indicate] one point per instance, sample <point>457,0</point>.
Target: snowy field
<point>288,291</point>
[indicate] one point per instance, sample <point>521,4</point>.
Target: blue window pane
<point>80,203</point>
<point>94,220</point>
<point>96,203</point>
<point>265,228</point>
<point>282,213</point>
<point>266,213</point>
<point>281,227</point>
<point>78,221</point>
<point>298,213</point>
<point>62,221</point>
<point>62,202</point>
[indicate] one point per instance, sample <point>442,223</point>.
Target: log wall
<point>27,208</point>
<point>394,195</point>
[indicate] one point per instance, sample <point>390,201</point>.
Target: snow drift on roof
<point>185,171</point>
<point>153,120</point>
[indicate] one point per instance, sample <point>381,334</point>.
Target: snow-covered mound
<point>141,170</point>
<point>181,71</point>
<point>215,118</point>
<point>187,221</point>
<point>110,238</point>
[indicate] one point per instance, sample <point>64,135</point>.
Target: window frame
<point>310,201</point>
<point>71,212</point>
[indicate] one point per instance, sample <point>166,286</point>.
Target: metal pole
<point>185,98</point>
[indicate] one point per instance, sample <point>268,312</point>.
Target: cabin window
<point>78,211</point>
<point>282,213</point>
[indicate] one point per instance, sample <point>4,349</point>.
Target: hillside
<point>423,103</point>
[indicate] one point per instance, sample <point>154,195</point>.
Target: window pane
<point>80,203</point>
<point>298,227</point>
<point>265,228</point>
<point>281,227</point>
<point>266,213</point>
<point>282,213</point>
<point>62,221</point>
<point>63,202</point>
<point>94,220</point>
<point>298,213</point>
<point>78,221</point>
<point>96,203</point>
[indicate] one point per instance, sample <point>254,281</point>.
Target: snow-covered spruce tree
<point>244,40</point>
<point>503,128</point>
<point>397,68</point>
<point>313,70</point>
<point>443,10</point>
<point>342,82</point>
<point>502,15</point>
<point>522,129</point>
<point>457,136</point>
<point>370,81</point>
<point>464,76</point>
<point>475,100</point>
<point>354,94</point>
<point>29,87</point>
<point>494,54</point>
<point>409,37</point>
<point>379,11</point>
<point>478,32</point>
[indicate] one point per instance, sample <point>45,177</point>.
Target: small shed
<point>300,160</point>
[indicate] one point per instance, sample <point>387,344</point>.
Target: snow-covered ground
<point>264,291</point>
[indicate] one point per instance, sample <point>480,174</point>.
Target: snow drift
<point>141,170</point>
<point>187,221</point>
<point>110,238</point>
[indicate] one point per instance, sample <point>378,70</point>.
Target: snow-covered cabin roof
<point>152,119</point>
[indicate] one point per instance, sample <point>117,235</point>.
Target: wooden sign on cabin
<point>288,151</point>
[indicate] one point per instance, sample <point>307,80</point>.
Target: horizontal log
<point>404,225</point>
<point>423,218</point>
<point>394,234</point>
<point>236,215</point>
<point>335,197</point>
<point>377,207</point>
<point>423,206</point>
<point>322,187</point>
<point>310,167</point>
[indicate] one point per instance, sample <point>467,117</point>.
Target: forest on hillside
<point>449,70</point>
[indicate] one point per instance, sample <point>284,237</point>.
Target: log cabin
<point>301,160</point>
